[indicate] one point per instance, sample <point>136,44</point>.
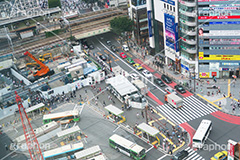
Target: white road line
<point>99,49</point>
<point>192,156</point>
<point>116,129</point>
<point>133,69</point>
<point>149,149</point>
<point>162,157</point>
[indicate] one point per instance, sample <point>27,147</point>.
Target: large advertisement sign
<point>149,23</point>
<point>219,57</point>
<point>171,31</point>
<point>218,17</point>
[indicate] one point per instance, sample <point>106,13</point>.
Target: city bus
<point>202,133</point>
<point>127,147</point>
<point>63,151</point>
<point>62,117</point>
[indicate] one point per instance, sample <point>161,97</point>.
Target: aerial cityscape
<point>119,79</point>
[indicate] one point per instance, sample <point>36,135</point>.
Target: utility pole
<point>146,115</point>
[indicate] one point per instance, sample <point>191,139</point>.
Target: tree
<point>54,3</point>
<point>121,25</point>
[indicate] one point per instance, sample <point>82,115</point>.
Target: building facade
<point>138,13</point>
<point>219,38</point>
<point>188,36</point>
<point>163,31</point>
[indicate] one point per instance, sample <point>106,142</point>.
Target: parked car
<point>146,73</point>
<point>180,89</point>
<point>129,60</point>
<point>102,57</point>
<point>220,156</point>
<point>134,76</point>
<point>169,90</point>
<point>159,82</point>
<point>137,67</point>
<point>180,155</point>
<point>114,48</point>
<point>166,79</point>
<point>123,55</point>
<point>109,42</point>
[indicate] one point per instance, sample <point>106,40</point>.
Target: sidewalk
<point>227,86</point>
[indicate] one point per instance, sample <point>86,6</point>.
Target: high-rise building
<point>163,31</point>
<point>138,13</point>
<point>219,38</point>
<point>188,36</point>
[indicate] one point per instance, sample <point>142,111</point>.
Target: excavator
<point>43,72</point>
<point>46,56</point>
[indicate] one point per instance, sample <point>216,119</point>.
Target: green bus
<point>127,147</point>
<point>62,117</point>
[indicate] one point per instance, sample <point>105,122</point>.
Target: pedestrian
<point>6,147</point>
<point>233,108</point>
<point>212,93</point>
<point>219,104</point>
<point>109,97</point>
<point>137,115</point>
<point>233,83</point>
<point>230,95</point>
<point>85,91</point>
<point>123,107</point>
<point>104,103</point>
<point>142,114</point>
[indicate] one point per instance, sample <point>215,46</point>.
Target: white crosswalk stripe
<point>193,155</point>
<point>192,108</point>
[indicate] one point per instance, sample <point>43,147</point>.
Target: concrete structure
<point>163,27</point>
<point>138,13</point>
<point>117,3</point>
<point>219,38</point>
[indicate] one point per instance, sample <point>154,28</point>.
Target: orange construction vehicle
<point>44,71</point>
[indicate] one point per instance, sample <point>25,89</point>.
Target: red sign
<point>183,38</point>
<point>231,150</point>
<point>218,17</point>
<point>204,74</point>
<point>200,57</point>
<point>214,73</point>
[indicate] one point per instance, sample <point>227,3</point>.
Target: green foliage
<point>50,34</point>
<point>90,1</point>
<point>120,25</point>
<point>54,3</point>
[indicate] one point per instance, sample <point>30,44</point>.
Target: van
<point>125,48</point>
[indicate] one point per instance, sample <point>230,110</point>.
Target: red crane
<point>31,140</point>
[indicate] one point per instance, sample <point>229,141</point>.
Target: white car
<point>147,74</point>
<point>134,76</point>
<point>125,48</point>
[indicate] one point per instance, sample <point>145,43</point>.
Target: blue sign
<point>169,2</point>
<point>170,31</point>
<point>176,38</point>
<point>149,23</point>
<point>185,67</point>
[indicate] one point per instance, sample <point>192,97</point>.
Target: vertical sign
<point>170,30</point>
<point>149,23</point>
<point>176,38</point>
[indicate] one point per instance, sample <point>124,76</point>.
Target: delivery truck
<point>174,100</point>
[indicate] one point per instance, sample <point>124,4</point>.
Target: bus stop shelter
<point>115,113</point>
<point>149,130</point>
<point>39,107</point>
<point>70,134</point>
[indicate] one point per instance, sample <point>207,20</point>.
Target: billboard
<point>149,23</point>
<point>171,32</point>
<point>218,17</point>
<point>219,57</point>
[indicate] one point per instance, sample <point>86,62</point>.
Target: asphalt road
<point>222,131</point>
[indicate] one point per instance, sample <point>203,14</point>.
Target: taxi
<point>220,156</point>
<point>137,67</point>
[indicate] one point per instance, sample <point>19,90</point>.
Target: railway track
<point>90,21</point>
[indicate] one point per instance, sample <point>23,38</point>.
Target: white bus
<point>63,151</point>
<point>127,147</point>
<point>202,133</point>
<point>62,117</point>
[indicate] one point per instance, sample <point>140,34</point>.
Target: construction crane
<point>44,71</point>
<point>31,139</point>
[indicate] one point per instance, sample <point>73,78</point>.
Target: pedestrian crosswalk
<point>193,155</point>
<point>192,108</point>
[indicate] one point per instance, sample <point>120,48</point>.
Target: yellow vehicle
<point>33,65</point>
<point>220,156</point>
<point>46,56</point>
<point>137,67</point>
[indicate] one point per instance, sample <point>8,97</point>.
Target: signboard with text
<point>171,32</point>
<point>219,57</point>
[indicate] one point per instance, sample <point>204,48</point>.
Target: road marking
<point>116,129</point>
<point>149,149</point>
<point>116,60</point>
<point>219,99</point>
<point>229,87</point>
<point>99,49</point>
<point>150,123</point>
<point>209,101</point>
<point>162,157</point>
<point>178,147</point>
<point>99,53</point>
